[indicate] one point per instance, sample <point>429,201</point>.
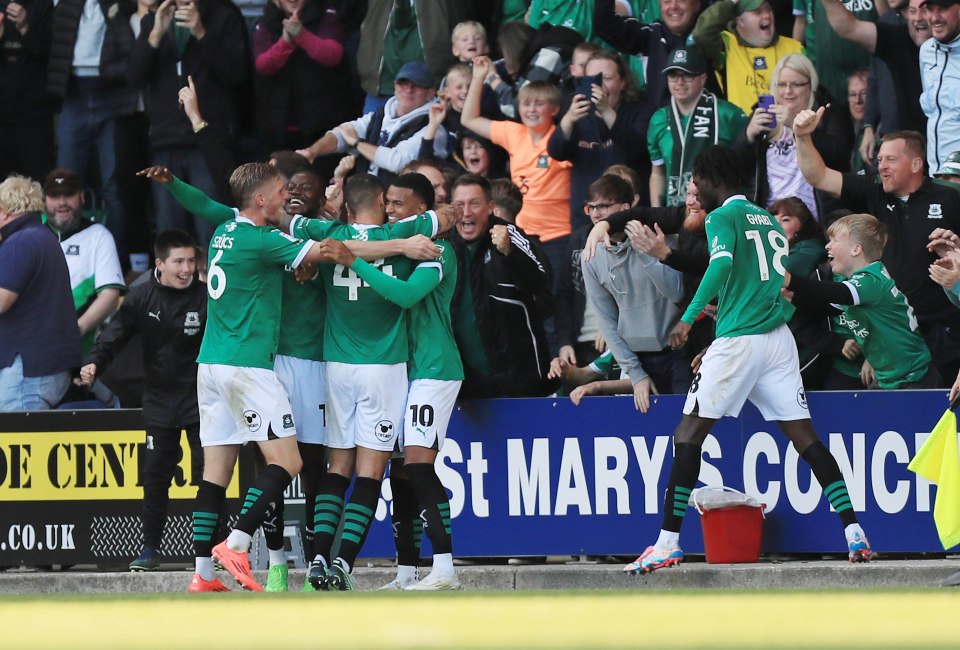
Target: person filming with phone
<point>694,119</point>
<point>768,147</point>
<point>605,125</point>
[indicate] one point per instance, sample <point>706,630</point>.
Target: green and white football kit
<point>435,369</point>
<point>299,362</point>
<point>240,397</point>
<point>92,260</point>
<point>883,323</point>
<point>365,337</point>
<point>754,355</point>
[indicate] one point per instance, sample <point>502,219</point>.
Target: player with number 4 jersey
<point>435,372</point>
<point>754,356</point>
<point>365,345</point>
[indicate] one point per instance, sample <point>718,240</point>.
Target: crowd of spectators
<point>558,128</point>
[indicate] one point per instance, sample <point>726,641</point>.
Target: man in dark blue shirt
<point>39,336</point>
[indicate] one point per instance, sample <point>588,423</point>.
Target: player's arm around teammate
<point>435,373</point>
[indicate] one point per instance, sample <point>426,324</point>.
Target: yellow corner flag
<point>938,461</point>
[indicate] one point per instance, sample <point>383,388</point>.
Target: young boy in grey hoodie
<point>637,300</point>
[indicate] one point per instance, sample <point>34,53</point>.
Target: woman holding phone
<point>767,146</point>
<point>608,118</point>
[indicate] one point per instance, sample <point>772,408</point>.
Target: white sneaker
<point>397,584</point>
<point>435,582</point>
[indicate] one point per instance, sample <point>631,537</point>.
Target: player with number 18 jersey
<point>749,297</point>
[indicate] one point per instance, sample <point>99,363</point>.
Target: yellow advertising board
<point>84,466</point>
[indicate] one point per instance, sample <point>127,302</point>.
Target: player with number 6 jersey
<point>239,395</point>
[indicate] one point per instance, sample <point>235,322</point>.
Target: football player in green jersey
<point>239,395</point>
<point>753,357</point>
<point>430,399</point>
<point>365,346</point>
<point>435,373</point>
<point>870,305</point>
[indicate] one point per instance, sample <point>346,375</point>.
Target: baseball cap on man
<point>749,5</point>
<point>950,166</point>
<point>62,182</point>
<point>940,3</point>
<point>686,59</point>
<point>417,73</point>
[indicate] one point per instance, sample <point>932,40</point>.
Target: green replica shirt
<point>363,327</point>
<point>883,323</point>
<point>426,296</point>
<point>730,122</point>
<point>244,281</point>
<point>303,306</point>
<point>835,58</point>
<point>747,251</point>
<point>840,363</point>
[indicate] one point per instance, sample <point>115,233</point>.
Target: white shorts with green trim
<point>240,405</point>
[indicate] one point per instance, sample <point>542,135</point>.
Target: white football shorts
<point>762,368</point>
<point>430,404</point>
<point>365,405</point>
<point>240,405</point>
<point>305,382</point>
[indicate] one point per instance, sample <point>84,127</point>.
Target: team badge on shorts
<point>287,421</point>
<point>802,398</point>
<point>253,420</point>
<point>383,430</point>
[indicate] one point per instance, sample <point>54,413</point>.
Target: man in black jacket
<point>911,205</point>
<point>169,312</point>
<point>207,41</point>
<point>496,309</point>
<point>27,147</point>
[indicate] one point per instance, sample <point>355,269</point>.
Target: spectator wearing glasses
<point>857,102</point>
<point>768,147</point>
<point>694,119</point>
<point>637,302</point>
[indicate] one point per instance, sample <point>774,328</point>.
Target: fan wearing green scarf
<point>694,119</point>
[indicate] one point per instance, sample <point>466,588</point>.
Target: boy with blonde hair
<point>468,40</point>
<point>544,181</point>
<point>870,305</point>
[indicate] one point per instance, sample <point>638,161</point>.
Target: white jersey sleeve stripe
<point>303,253</point>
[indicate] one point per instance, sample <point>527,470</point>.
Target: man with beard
<point>895,43</point>
<point>95,276</point>
<point>741,41</point>
<point>754,356</point>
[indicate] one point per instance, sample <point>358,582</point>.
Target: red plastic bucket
<point>732,535</point>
